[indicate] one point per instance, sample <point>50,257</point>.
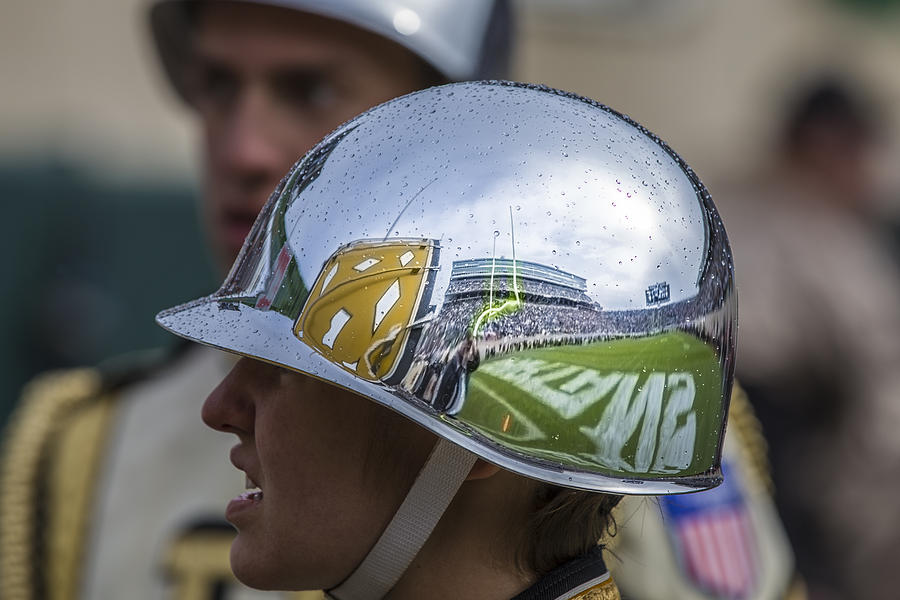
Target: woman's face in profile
<point>326,471</point>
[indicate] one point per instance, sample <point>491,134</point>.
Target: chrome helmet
<point>460,39</point>
<point>525,272</point>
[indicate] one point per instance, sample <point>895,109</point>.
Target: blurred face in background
<point>843,159</point>
<point>834,145</point>
<point>268,83</point>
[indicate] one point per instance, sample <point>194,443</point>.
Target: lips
<point>247,500</point>
<point>240,507</point>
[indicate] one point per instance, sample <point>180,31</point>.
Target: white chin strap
<point>435,486</point>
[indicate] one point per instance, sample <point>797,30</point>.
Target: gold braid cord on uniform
<point>604,591</point>
<point>51,449</point>
<point>743,422</point>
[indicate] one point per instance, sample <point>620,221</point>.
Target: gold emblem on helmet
<point>366,298</point>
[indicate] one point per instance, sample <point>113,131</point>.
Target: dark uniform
<point>584,578</point>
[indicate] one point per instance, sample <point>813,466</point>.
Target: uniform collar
<point>570,579</point>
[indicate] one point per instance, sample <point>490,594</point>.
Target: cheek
<point>320,518</point>
<point>315,456</point>
<point>211,128</point>
<point>214,171</point>
<point>335,467</point>
<point>396,454</point>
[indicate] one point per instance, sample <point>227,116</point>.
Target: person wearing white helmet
<point>110,486</point>
<point>268,79</point>
<point>471,318</point>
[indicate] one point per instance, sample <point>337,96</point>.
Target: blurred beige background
<point>99,172</point>
<point>80,81</point>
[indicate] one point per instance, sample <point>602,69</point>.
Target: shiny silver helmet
<point>527,273</point>
<point>460,39</point>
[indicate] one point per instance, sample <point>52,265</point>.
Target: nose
<point>248,147</point>
<point>229,407</point>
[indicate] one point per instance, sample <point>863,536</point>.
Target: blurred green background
<point>87,262</point>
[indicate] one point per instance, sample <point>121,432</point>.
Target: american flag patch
<point>713,537</point>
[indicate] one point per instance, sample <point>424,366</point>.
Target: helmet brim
<point>266,336</point>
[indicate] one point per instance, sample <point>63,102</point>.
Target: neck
<point>472,551</point>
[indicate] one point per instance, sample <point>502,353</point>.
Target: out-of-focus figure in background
<point>110,487</point>
<point>819,344</point>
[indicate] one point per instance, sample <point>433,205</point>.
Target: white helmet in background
<point>460,39</point>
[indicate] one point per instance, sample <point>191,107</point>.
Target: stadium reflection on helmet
<point>524,272</point>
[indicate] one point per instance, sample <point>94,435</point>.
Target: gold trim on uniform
<point>45,403</point>
<point>71,484</point>
<point>753,447</point>
<point>797,591</point>
<point>602,591</point>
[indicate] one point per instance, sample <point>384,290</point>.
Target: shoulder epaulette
<point>52,450</point>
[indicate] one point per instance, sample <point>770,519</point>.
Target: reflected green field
<point>634,407</point>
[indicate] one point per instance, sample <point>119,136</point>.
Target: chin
<point>269,569</point>
<point>251,567</point>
